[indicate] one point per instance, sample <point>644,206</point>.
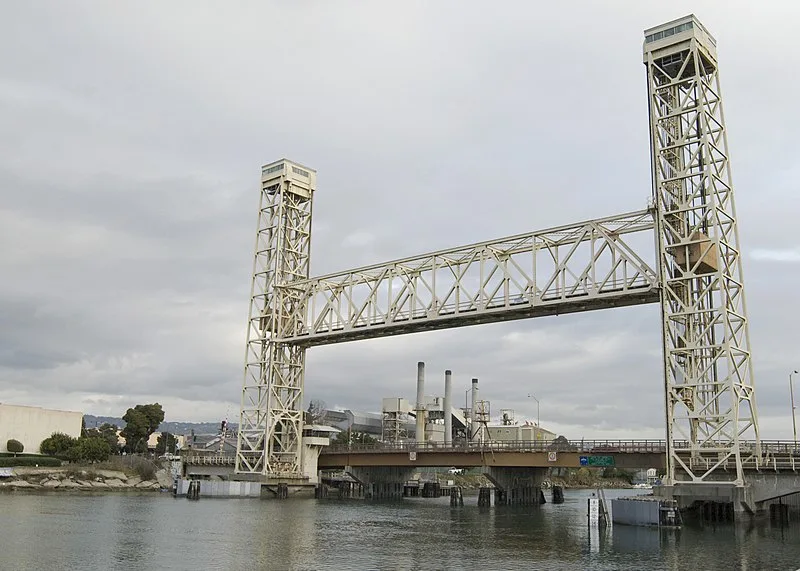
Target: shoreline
<point>82,479</point>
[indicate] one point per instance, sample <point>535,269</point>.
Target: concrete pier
<point>487,497</point>
<point>381,483</point>
<point>456,496</point>
<point>725,501</point>
<point>518,485</point>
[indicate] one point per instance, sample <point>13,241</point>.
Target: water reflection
<point>156,531</point>
<point>635,539</point>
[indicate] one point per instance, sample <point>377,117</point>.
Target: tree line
<point>96,444</point>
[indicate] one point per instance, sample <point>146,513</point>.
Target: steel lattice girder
<point>708,373</point>
<point>579,267</point>
<point>270,433</point>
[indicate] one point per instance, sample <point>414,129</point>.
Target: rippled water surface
<point>159,532</point>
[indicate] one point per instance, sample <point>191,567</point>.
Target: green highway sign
<point>600,461</point>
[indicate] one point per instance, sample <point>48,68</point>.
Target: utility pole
<point>791,396</point>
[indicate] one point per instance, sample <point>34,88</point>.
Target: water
<point>115,531</point>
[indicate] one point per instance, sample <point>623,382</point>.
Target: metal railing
<point>209,460</point>
<point>770,448</point>
<point>776,454</point>
<point>587,446</point>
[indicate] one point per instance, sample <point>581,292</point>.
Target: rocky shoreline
<point>59,479</point>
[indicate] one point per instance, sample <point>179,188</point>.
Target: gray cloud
<point>129,159</point>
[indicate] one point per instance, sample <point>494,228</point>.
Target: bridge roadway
<point>626,454</point>
<point>778,455</point>
<point>518,468</point>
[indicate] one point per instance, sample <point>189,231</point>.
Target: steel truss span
<point>580,267</point>
<point>710,398</point>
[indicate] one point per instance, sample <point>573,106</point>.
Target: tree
<point>89,449</point>
<point>15,446</point>
<point>140,422</point>
<point>166,443</point>
<point>57,444</point>
<point>353,437</point>
<point>317,410</point>
<point>107,432</point>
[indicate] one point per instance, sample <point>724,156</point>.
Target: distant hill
<point>172,427</point>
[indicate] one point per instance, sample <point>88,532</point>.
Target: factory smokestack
<point>448,408</point>
<point>420,436</point>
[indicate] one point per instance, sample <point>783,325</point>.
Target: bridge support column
<point>761,489</point>
<point>711,498</point>
<point>518,485</point>
<point>381,482</point>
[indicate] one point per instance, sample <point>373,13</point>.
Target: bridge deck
<point>579,267</point>
<point>778,456</point>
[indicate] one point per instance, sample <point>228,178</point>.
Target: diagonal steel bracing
<point>270,422</point>
<point>597,264</point>
<point>710,399</point>
<point>590,265</point>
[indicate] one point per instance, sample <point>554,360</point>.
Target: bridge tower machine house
<point>708,381</point>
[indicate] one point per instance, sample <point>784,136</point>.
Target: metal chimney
<point>420,435</point>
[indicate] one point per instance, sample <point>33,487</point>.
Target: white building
<point>518,433</point>
<point>32,424</point>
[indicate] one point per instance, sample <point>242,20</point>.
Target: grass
<point>132,465</point>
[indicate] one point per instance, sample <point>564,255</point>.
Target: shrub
<point>142,467</point>
<point>58,444</point>
<point>584,476</point>
<point>15,446</point>
<point>89,449</point>
<point>30,461</point>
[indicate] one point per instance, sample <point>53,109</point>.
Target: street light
<point>791,396</point>
<point>538,425</point>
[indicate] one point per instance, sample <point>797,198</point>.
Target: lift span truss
<point>710,399</point>
<point>585,266</point>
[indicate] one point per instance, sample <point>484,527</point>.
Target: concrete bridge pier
<point>518,485</point>
<point>752,499</point>
<point>381,482</point>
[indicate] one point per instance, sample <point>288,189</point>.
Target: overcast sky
<point>131,140</point>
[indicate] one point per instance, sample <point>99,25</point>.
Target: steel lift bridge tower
<point>596,264</point>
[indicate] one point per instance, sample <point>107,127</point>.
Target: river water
<point>116,531</point>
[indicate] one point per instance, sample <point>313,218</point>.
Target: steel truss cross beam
<point>710,397</point>
<point>580,267</point>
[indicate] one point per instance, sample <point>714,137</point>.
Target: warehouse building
<point>32,424</point>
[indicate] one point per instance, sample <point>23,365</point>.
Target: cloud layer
<point>131,143</point>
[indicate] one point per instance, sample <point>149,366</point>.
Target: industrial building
<point>427,421</point>
<point>32,424</point>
